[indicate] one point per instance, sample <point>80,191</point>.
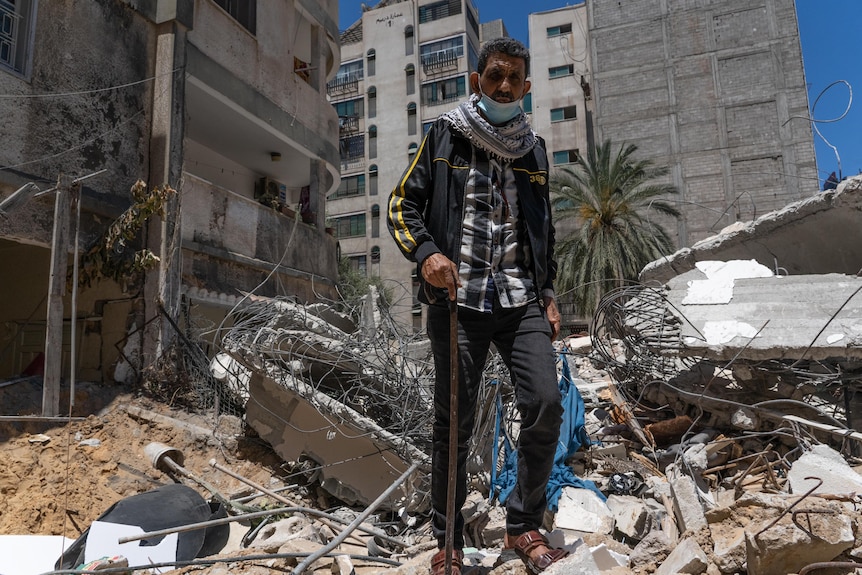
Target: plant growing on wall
<point>114,255</point>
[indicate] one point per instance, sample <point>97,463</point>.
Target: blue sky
<point>830,51</point>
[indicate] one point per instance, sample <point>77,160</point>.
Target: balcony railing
<point>346,84</point>
<point>348,124</point>
<point>439,61</point>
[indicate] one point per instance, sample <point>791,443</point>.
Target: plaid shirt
<point>494,256</point>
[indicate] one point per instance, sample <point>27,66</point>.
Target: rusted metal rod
<point>286,501</point>
<point>356,522</point>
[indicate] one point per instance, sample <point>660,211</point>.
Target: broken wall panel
<point>815,317</point>
<point>788,241</point>
<point>357,459</point>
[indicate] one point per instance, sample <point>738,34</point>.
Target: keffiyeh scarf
<point>507,142</point>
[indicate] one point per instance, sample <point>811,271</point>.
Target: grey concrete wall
<point>709,89</point>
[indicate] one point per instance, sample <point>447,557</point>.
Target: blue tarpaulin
<point>572,436</point>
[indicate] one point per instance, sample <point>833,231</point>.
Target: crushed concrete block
<point>728,547</point>
<point>608,559</point>
<point>580,345</point>
<point>274,535</point>
<point>579,562</point>
<point>630,514</point>
<point>583,510</point>
<point>342,565</point>
<point>564,539</point>
<point>651,550</point>
<point>827,464</point>
<point>787,548</point>
<point>686,504</point>
<point>687,557</point>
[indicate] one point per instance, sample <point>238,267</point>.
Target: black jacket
<point>426,207</point>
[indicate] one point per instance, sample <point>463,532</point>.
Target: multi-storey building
<point>714,90</point>
<point>223,101</point>
<point>403,64</point>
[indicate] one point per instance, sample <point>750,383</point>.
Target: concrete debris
<point>583,511</point>
<point>631,516</point>
<point>714,405</point>
<point>823,464</point>
<point>686,557</point>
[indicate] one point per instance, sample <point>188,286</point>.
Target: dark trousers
<point>522,337</point>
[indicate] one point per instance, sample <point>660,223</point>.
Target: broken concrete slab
<point>365,460</point>
<point>769,317</point>
<point>788,546</point>
<point>652,550</point>
<point>582,510</point>
<point>826,464</point>
<point>790,239</point>
<point>631,515</point>
<point>579,562</point>
<point>686,557</point>
<point>687,507</point>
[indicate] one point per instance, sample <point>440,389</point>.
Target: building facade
<point>713,90</point>
<point>224,102</point>
<point>403,64</point>
<point>716,91</point>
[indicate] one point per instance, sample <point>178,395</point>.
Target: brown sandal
<point>527,542</point>
<point>438,562</point>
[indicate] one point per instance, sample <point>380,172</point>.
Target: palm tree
<point>608,197</point>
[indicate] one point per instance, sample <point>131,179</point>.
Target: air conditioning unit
<point>269,191</point>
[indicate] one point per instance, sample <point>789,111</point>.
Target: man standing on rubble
<point>472,211</point>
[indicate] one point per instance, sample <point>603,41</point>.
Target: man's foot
<point>534,550</point>
<point>438,562</point>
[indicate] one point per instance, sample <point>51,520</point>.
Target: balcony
<point>440,61</point>
<point>348,125</point>
<point>342,85</point>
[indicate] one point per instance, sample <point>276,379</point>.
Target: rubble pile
<point>716,426</point>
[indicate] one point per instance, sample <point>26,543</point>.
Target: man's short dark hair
<point>507,46</point>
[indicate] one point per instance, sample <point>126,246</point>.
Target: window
<point>372,102</point>
<point>375,255</point>
<point>358,264</point>
<point>411,119</point>
<point>441,53</point>
<point>410,77</point>
<point>562,114</point>
<point>350,71</point>
<point>352,147</point>
<point>375,221</point>
<point>371,60</point>
<point>527,103</point>
<point>372,142</point>
<point>408,41</point>
<point>350,186</point>
<point>372,180</point>
<point>426,126</point>
<point>438,10</point>
<point>350,108</point>
<point>444,91</point>
<point>243,11</point>
<point>565,157</point>
<point>350,226</point>
<point>16,23</point>
<point>411,150</point>
<point>560,71</point>
<point>559,30</point>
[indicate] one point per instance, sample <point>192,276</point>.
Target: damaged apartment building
<point>218,112</point>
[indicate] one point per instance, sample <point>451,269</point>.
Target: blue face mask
<point>498,113</point>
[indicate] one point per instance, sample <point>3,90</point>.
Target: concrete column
<point>162,286</point>
<point>56,291</point>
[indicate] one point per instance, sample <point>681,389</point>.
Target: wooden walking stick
<point>453,435</point>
